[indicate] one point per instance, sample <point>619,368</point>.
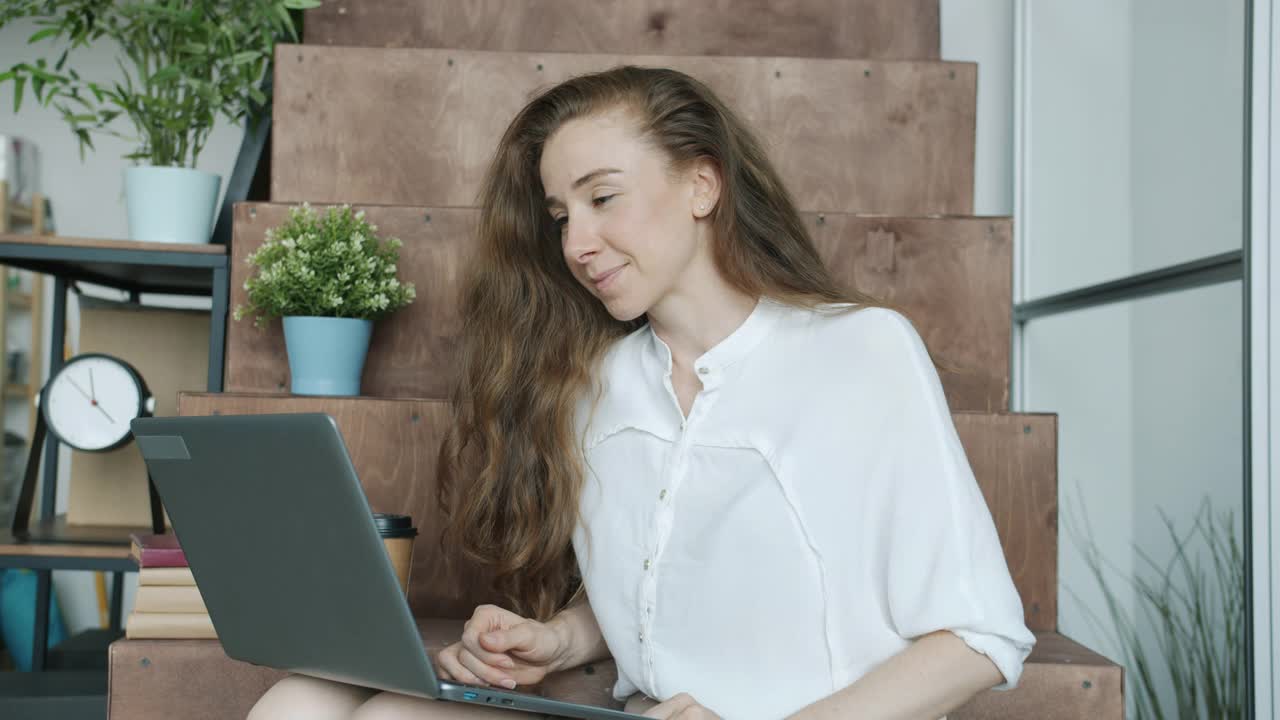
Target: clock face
<point>90,402</point>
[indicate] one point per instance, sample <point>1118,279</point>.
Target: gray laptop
<point>282,543</point>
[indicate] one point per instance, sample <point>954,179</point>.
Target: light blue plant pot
<point>326,355</point>
<point>171,204</point>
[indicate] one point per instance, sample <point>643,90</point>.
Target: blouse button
<point>662,495</point>
<point>646,564</point>
<point>703,370</point>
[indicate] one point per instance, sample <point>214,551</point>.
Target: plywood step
<point>951,275</point>
<point>194,679</point>
<point>419,126</point>
<point>1062,680</point>
<point>393,446</point>
<point>875,29</point>
<point>1014,457</point>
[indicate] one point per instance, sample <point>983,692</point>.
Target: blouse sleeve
<point>943,564</point>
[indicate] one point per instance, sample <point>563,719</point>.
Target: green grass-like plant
<point>1195,602</point>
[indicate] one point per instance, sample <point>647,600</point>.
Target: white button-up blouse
<point>812,515</point>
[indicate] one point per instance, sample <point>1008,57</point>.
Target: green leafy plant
<point>330,265</point>
<point>189,61</point>
<point>1195,603</point>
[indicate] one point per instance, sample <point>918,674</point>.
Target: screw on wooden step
<point>866,73</point>
<point>427,217</point>
<point>1026,429</point>
<point>253,212</point>
<point>777,73</point>
<point>590,669</point>
<point>953,74</point>
<point>414,418</point>
<point>279,386</point>
<point>450,62</point>
<point>1086,684</point>
<point>299,57</point>
<point>822,219</point>
<point>145,662</point>
<point>539,67</point>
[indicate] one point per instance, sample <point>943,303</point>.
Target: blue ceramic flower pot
<point>326,355</point>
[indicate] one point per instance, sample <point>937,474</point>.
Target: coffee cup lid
<point>394,526</point>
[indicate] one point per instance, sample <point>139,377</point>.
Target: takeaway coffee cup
<point>397,533</point>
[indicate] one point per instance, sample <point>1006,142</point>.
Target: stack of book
<point>168,604</point>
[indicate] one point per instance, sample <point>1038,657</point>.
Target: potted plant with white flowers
<point>329,277</point>
<point>182,63</point>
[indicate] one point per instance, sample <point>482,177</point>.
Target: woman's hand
<point>502,649</point>
<point>681,707</point>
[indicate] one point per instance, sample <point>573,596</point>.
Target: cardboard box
<point>170,350</point>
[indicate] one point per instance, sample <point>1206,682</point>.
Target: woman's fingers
<point>471,641</point>
<point>525,641</point>
<point>488,674</point>
<point>449,663</point>
<point>441,673</point>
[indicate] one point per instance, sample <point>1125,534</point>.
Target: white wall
<point>981,31</point>
<point>1188,196</point>
<point>1078,365</point>
<point>87,201</point>
<point>1133,162</point>
<point>1079,193</point>
<point>1187,134</point>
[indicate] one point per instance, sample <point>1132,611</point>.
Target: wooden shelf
<point>17,390</point>
<point>169,268</point>
<point>106,244</point>
<point>53,544</point>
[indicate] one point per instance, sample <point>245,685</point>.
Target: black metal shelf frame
<point>135,271</point>
<point>162,272</point>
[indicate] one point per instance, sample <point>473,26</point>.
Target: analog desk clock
<point>87,405</point>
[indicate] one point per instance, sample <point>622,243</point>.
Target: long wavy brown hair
<point>510,467</point>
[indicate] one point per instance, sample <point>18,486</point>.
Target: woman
<point>695,452</point>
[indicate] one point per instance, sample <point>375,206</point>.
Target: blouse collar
<point>712,364</point>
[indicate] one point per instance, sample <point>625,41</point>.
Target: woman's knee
<point>299,696</point>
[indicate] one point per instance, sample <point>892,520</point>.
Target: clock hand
<point>76,385</point>
<point>104,412</point>
<point>93,394</point>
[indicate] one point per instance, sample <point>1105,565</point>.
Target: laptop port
<point>470,695</point>
<point>508,701</point>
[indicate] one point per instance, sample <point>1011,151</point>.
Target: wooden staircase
<point>396,106</point>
